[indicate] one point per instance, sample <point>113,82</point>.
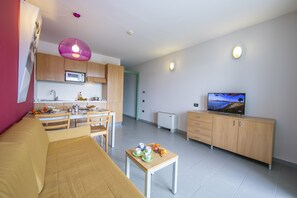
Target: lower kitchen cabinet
<point>248,136</point>
<point>48,105</point>
<point>98,105</point>
<point>117,107</point>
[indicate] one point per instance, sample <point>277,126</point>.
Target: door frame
<point>136,73</point>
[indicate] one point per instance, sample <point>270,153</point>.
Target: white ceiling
<point>161,27</point>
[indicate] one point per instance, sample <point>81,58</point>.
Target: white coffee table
<point>151,167</point>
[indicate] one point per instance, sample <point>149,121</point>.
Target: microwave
<point>74,77</point>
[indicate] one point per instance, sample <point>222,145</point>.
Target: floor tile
<point>202,172</point>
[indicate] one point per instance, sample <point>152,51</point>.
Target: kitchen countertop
<point>67,101</point>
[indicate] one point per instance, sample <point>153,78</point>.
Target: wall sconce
<point>171,66</point>
<point>237,52</point>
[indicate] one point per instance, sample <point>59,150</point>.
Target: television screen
<point>226,102</point>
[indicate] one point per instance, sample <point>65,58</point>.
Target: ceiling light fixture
<point>172,66</point>
<point>237,52</point>
<point>73,48</point>
<point>130,32</point>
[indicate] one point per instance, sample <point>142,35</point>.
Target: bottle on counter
<point>79,96</point>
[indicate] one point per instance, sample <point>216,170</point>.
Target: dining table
<point>81,114</point>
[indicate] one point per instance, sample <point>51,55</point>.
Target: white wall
<point>129,95</point>
<point>66,90</point>
<point>266,72</point>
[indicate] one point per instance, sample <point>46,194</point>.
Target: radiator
<point>167,120</point>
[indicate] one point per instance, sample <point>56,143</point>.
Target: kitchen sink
<point>50,100</point>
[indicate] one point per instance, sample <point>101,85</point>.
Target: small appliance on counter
<point>95,98</point>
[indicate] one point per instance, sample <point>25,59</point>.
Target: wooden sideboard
<point>248,136</point>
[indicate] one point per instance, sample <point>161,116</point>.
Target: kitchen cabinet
<point>199,127</point>
<point>48,105</point>
<point>117,107</point>
<point>50,68</point>
<point>113,90</point>
<point>76,66</point>
<point>99,105</point>
<point>245,135</point>
<point>225,130</point>
<point>95,73</point>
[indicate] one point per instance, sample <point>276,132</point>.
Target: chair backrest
<point>96,118</point>
<point>55,121</point>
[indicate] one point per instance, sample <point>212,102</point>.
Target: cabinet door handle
<point>239,124</point>
<point>233,122</point>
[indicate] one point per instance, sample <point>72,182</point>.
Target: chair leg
<point>101,139</point>
<point>106,143</point>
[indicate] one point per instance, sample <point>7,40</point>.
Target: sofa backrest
<point>17,177</point>
<point>30,133</point>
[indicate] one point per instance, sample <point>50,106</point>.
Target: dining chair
<point>99,125</point>
<point>54,121</point>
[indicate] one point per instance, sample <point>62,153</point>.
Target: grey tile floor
<point>202,172</point>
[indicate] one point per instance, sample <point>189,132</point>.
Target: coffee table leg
<point>127,167</point>
<point>174,177</point>
<point>147,187</point>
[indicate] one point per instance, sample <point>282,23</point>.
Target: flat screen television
<point>226,102</point>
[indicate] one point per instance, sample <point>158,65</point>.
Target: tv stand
<point>248,136</point>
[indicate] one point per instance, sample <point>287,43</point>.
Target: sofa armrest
<point>57,135</point>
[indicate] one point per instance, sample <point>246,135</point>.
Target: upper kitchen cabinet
<point>76,66</point>
<point>95,73</point>
<point>49,68</point>
<point>113,89</point>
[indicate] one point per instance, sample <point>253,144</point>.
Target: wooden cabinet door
<point>95,70</point>
<point>113,90</point>
<point>50,68</point>
<point>96,73</point>
<point>76,66</point>
<point>255,140</point>
<point>225,132</point>
<point>115,83</point>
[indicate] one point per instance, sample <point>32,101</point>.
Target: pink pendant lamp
<point>75,49</point>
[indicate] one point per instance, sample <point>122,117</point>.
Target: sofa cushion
<point>31,133</point>
<point>78,167</point>
<point>17,178</point>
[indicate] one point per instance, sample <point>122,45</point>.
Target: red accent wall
<point>10,110</point>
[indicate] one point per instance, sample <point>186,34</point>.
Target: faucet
<point>54,95</point>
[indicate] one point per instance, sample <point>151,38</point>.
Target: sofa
<point>64,163</point>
